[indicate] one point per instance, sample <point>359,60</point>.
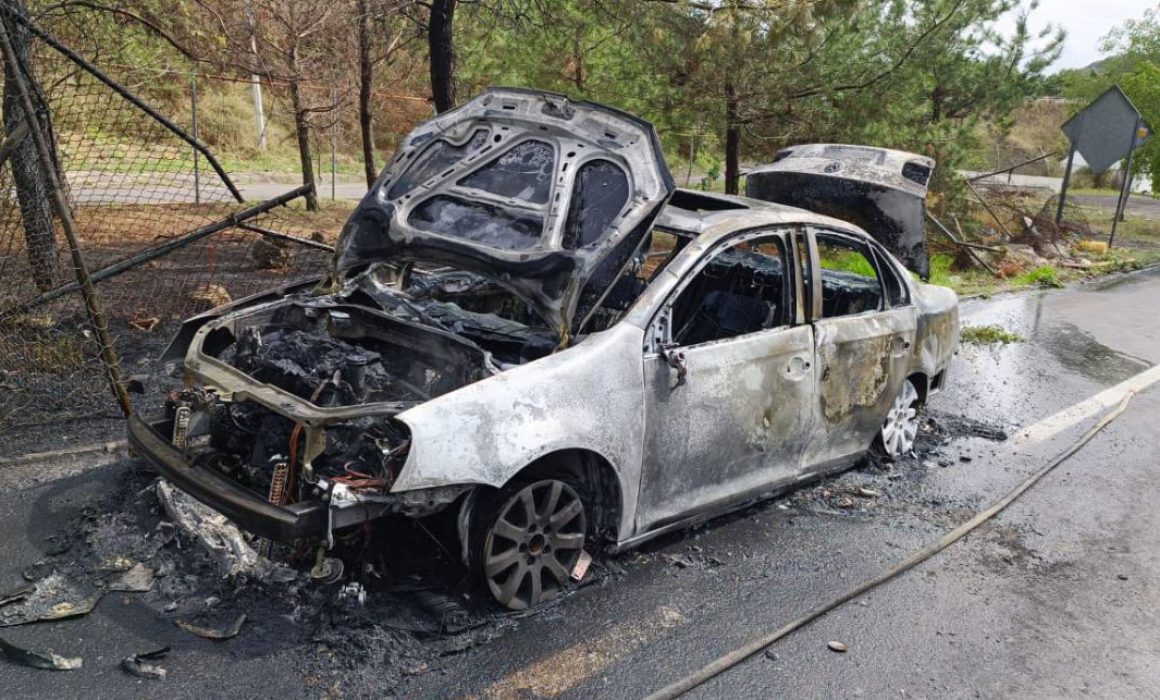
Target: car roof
<point>713,216</point>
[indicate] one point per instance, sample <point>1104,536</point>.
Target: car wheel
<point>534,535</point>
<point>901,425</point>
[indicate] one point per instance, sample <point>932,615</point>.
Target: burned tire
<point>896,437</point>
<point>528,540</point>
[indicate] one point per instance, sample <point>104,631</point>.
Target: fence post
<point>93,306</point>
<point>333,145</point>
<point>197,137</point>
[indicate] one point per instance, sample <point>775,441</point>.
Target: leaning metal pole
<point>92,303</point>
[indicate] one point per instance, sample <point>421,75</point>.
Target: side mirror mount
<point>675,358</point>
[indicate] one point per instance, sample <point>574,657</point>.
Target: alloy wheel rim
<point>901,425</point>
<point>533,544</point>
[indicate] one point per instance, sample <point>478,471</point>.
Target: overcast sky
<point>1086,22</point>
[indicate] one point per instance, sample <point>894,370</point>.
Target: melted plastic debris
<point>53,598</point>
<point>35,659</point>
<point>138,579</point>
<point>228,632</point>
<point>138,664</point>
<point>221,538</point>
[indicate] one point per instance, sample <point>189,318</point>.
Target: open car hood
<point>549,197</point>
<point>880,190</point>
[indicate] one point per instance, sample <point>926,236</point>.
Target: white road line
<point>1087,408</point>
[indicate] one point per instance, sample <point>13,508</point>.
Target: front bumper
<point>285,524</point>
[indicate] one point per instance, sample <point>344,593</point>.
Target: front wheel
<point>901,425</point>
<point>534,535</point>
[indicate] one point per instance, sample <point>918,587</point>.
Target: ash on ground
<point>410,621</point>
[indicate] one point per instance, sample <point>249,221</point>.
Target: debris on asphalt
<point>17,594</point>
<point>219,536</point>
<point>138,664</point>
<point>37,571</point>
<point>696,560</point>
<point>449,611</point>
<point>52,598</point>
<point>1122,577</point>
<point>837,646</point>
<point>35,659</point>
<point>581,567</point>
<point>137,579</point>
<point>353,591</point>
<point>217,634</point>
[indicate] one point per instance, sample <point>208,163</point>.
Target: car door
<point>728,382</point>
<point>864,326</point>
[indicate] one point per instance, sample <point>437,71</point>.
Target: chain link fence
<point>159,225</point>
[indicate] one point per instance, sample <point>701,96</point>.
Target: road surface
<point>1057,597</point>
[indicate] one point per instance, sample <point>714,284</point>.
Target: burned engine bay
<point>296,397</point>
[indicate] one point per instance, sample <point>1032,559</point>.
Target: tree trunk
<point>441,46</point>
<point>28,174</point>
<point>302,131</point>
<point>732,141</point>
<point>366,77</point>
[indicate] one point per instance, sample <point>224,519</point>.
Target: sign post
<point>1097,133</point>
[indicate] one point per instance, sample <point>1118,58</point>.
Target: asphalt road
<point>1057,597</point>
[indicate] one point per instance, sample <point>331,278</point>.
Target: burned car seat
<point>724,315</point>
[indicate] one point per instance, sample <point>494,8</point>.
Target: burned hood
<point>880,190</point>
<point>549,197</point>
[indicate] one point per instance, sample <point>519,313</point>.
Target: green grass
<point>848,261</point>
<point>989,335</point>
<point>1042,276</point>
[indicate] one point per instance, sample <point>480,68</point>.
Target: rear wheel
<point>901,425</point>
<point>534,535</point>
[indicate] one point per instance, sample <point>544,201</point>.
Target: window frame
<point>869,252</point>
<point>656,338</point>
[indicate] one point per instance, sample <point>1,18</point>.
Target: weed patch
<point>989,335</point>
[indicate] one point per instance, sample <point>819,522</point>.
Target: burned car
<point>530,330</point>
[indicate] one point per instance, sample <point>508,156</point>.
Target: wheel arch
<point>922,384</point>
<point>591,472</point>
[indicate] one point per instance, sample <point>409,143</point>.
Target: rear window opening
<point>697,202</point>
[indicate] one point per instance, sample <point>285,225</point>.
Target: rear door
<point>728,383</point>
<point>864,326</point>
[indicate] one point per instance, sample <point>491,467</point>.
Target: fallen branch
<point>961,244</point>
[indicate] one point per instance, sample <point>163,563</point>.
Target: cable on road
<point>735,657</point>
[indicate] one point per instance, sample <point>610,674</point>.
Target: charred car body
<point>530,328</point>
<point>883,191</point>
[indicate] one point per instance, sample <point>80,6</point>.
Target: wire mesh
<point>133,183</point>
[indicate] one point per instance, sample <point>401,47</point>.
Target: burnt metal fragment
<point>35,659</point>
<point>138,664</point>
<point>215,633</point>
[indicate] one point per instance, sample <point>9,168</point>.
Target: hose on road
<point>735,657</point>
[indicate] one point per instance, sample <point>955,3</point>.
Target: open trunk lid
<point>880,190</point>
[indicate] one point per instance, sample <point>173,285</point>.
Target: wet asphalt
<point>1056,597</point>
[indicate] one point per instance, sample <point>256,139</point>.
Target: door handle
<point>901,345</point>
